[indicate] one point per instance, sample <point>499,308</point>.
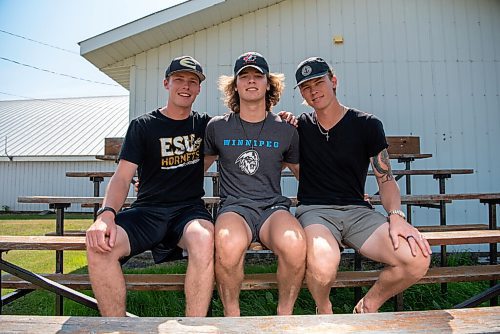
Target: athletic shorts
<point>158,229</point>
<point>255,213</point>
<point>351,225</point>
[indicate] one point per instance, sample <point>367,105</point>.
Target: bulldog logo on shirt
<point>248,162</point>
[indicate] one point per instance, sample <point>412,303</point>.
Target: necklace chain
<point>326,133</point>
<point>260,131</point>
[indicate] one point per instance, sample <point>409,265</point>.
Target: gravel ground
<point>266,257</point>
<point>145,260</point>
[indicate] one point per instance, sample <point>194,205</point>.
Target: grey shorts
<point>255,213</point>
<point>351,225</point>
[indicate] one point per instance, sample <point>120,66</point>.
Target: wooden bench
<point>490,198</point>
<point>405,149</point>
<point>65,284</point>
<point>400,147</point>
<point>60,203</point>
<point>345,279</point>
<point>476,320</point>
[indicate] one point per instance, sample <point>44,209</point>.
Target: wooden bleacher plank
<point>8,242</point>
<point>428,171</point>
<point>78,243</point>
<point>90,174</point>
<point>409,156</point>
<point>446,228</point>
<point>462,237</point>
<point>288,173</point>
<point>71,233</point>
<point>444,197</point>
<point>263,281</point>
<point>475,320</point>
<point>374,199</point>
<point>209,200</point>
<point>207,174</point>
<point>85,200</point>
<point>403,144</point>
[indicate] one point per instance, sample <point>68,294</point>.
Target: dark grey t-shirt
<point>251,154</point>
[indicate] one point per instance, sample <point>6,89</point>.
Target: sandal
<point>361,306</point>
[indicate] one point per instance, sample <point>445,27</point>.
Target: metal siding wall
<point>427,68</point>
<point>140,84</point>
<point>152,76</point>
<point>46,179</point>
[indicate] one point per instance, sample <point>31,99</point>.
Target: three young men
<point>337,144</point>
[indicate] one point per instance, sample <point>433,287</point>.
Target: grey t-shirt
<point>251,154</point>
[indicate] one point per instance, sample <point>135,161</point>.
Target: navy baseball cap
<point>311,68</point>
<point>251,59</point>
<point>185,64</point>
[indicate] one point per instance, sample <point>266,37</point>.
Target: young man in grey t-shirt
<point>253,145</point>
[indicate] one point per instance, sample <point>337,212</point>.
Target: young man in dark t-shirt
<point>253,145</point>
<point>337,144</point>
<point>165,147</point>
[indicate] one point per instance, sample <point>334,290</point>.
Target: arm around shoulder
<point>208,161</point>
<point>295,168</point>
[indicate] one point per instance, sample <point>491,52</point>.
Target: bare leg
<point>198,240</point>
<point>232,237</point>
<point>402,270</point>
<point>106,277</point>
<point>282,234</point>
<point>323,258</point>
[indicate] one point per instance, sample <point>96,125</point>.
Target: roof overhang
<point>111,51</point>
<point>48,158</point>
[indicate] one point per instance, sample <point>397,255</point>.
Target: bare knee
<point>95,258</point>
<point>420,266</point>
<point>415,266</point>
<point>199,243</point>
<point>322,270</point>
<point>230,249</point>
<point>291,248</point>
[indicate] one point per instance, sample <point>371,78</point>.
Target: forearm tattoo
<point>382,166</point>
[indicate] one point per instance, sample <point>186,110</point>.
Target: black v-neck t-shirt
<point>334,172</point>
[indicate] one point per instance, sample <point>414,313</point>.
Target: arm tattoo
<point>382,166</point>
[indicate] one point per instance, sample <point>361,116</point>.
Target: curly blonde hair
<point>227,85</point>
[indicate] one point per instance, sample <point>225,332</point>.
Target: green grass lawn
<point>43,261</point>
<point>171,303</point>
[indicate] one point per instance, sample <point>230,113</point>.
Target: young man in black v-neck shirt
<point>165,147</point>
<point>337,144</point>
<point>252,145</point>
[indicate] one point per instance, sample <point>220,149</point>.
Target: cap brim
<point>319,75</point>
<point>200,75</point>
<point>254,66</point>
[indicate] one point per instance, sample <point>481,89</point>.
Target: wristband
<point>397,212</point>
<point>104,209</point>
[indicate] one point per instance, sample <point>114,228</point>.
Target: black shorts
<point>158,229</point>
<point>255,213</point>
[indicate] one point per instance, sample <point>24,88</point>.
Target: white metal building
<point>427,68</point>
<point>41,140</point>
